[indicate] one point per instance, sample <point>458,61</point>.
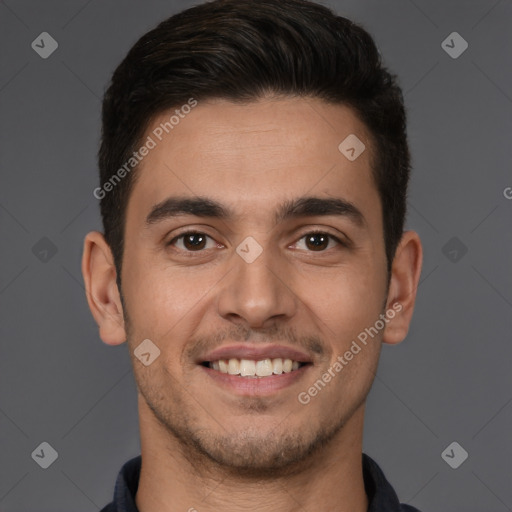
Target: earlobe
<point>101,290</point>
<point>405,275</point>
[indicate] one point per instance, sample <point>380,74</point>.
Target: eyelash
<point>313,232</point>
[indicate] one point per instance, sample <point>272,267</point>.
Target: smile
<point>254,368</point>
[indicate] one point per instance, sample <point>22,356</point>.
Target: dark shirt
<point>381,496</point>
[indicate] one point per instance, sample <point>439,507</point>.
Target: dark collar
<point>381,495</point>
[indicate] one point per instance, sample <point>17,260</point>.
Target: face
<point>278,255</point>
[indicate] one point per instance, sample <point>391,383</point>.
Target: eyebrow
<point>299,207</point>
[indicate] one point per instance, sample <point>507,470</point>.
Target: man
<point>253,176</point>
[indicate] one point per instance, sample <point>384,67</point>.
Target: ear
<point>103,297</point>
<point>405,275</point>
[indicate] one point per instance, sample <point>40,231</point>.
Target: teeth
<point>264,368</point>
<point>247,368</point>
<point>251,368</point>
<point>277,366</point>
<point>223,366</point>
<point>234,367</point>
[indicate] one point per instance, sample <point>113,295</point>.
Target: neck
<point>169,482</point>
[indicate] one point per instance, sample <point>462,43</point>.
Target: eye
<point>191,241</point>
<point>196,241</point>
<point>319,240</point>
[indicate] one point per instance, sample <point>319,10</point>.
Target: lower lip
<point>256,386</point>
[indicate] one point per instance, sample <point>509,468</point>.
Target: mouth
<point>249,369</point>
<point>255,369</point>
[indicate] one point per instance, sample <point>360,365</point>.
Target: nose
<point>257,291</point>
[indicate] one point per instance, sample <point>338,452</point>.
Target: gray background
<point>449,381</point>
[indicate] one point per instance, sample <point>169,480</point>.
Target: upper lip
<point>256,352</point>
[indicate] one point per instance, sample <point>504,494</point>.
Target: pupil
<point>189,240</point>
<point>323,240</point>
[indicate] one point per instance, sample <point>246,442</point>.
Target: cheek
<point>346,301</point>
<point>167,305</point>
<point>353,305</point>
<point>159,297</point>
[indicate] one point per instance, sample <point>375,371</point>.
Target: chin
<point>260,453</point>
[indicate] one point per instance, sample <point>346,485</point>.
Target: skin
<point>206,447</point>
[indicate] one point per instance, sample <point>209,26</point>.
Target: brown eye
<point>194,241</point>
<point>191,241</point>
<point>318,241</point>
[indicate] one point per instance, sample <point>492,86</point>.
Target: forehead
<point>252,156</point>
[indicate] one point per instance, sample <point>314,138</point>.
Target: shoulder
<point>405,508</point>
<point>108,508</point>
